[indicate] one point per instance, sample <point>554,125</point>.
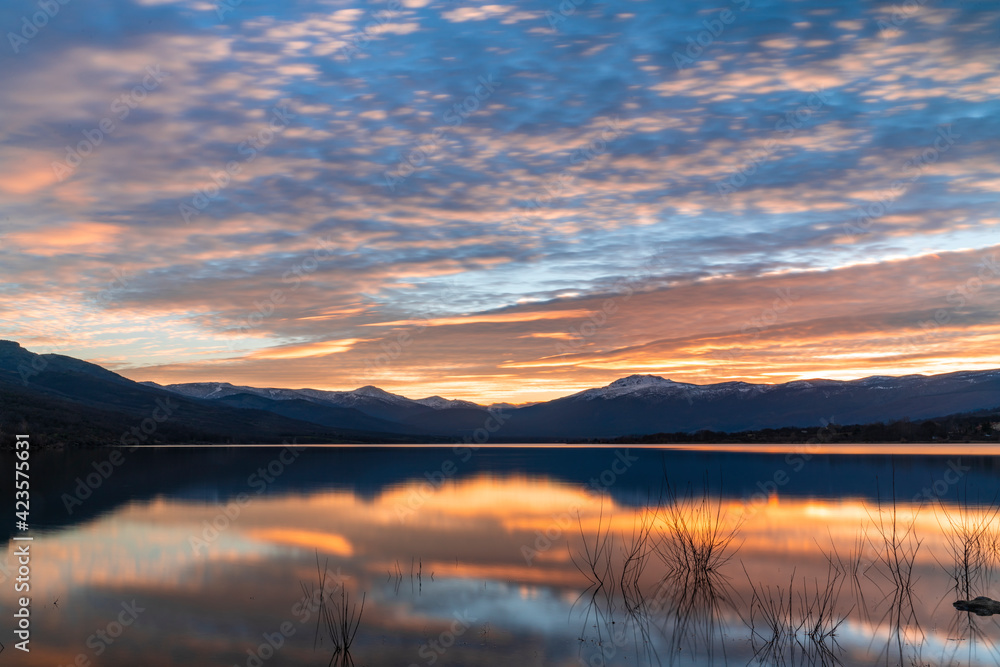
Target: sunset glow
<point>488,203</point>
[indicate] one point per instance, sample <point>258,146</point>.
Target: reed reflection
<point>686,576</point>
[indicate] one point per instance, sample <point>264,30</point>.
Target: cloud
<point>480,13</point>
<point>485,318</point>
<point>593,153</point>
<point>307,350</point>
<point>74,237</point>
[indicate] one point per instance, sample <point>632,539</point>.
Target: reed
<point>340,619</point>
<point>596,560</point>
<point>895,546</point>
<point>636,552</point>
<point>853,566</point>
<point>971,534</point>
<point>697,539</point>
<point>894,542</point>
<point>797,624</point>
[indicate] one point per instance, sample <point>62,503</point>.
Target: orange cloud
<point>24,172</point>
<point>307,350</point>
<point>74,237</point>
<point>326,542</point>
<point>495,318</point>
<point>858,320</point>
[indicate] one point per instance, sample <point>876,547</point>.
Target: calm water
<point>510,556</point>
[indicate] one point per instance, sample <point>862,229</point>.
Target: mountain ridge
<point>633,405</point>
<point>625,385</point>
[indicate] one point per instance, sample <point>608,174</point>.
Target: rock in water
<point>981,606</point>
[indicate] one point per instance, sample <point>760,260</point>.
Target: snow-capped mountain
<point>360,396</point>
<point>633,405</point>
<point>640,404</point>
<point>368,399</point>
<point>223,389</point>
<point>439,403</point>
<point>654,385</point>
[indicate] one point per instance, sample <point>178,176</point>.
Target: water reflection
<point>500,569</point>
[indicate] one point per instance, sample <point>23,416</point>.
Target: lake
<point>512,555</point>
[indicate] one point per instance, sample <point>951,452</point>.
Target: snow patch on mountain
<point>211,390</point>
<point>208,389</point>
<point>372,391</point>
<point>654,386</point>
<point>441,403</point>
<point>635,384</point>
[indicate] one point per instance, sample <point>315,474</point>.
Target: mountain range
<point>74,401</point>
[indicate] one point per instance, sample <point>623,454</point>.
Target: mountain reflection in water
<point>521,567</point>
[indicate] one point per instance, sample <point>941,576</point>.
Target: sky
<point>508,201</point>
